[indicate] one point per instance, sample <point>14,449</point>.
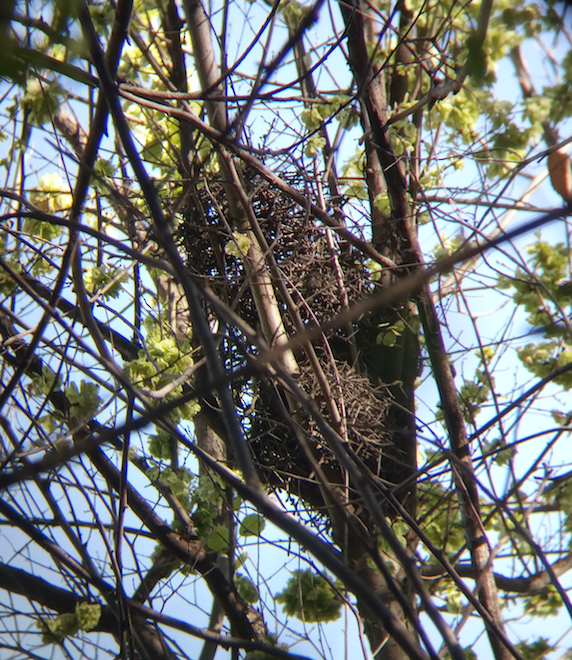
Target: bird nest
<point>314,270</point>
<point>277,435</point>
<point>318,274</point>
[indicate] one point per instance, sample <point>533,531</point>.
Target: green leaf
<point>476,58</point>
<point>375,270</point>
<point>389,339</point>
<point>240,560</point>
<point>502,456</point>
<point>109,280</point>
<point>311,118</point>
<point>218,541</point>
<point>42,100</point>
<point>48,423</point>
<point>48,382</point>
<point>441,519</point>
<point>152,473</point>
<point>545,603</point>
<point>559,417</point>
<point>252,525</point>
<point>54,631</point>
<point>381,202</point>
<point>85,401</point>
<point>246,588</point>
<point>314,144</point>
<point>160,444</point>
<point>238,246</point>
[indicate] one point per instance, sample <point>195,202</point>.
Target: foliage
<point>85,401</point>
<point>268,337</point>
<point>246,588</point>
<point>310,597</point>
<point>85,617</point>
<point>535,650</point>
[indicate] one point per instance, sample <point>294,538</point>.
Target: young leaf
<point>218,540</point>
<point>252,525</point>
<point>310,597</point>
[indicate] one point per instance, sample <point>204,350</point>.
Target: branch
<point>62,601</point>
<point>520,585</point>
<point>323,551</point>
<point>165,240</point>
<point>372,91</point>
<point>249,159</point>
<point>378,300</point>
<point>310,17</point>
<point>75,226</point>
<point>189,550</point>
<point>16,581</point>
<point>126,348</point>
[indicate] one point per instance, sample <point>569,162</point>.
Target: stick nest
<point>305,261</point>
<point>316,269</point>
<point>277,437</point>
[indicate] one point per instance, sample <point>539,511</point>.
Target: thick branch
<point>62,601</point>
<point>519,585</point>
<point>189,551</point>
<point>324,552</point>
<point>372,92</point>
<point>239,204</point>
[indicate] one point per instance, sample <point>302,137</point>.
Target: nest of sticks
<point>313,268</point>
<point>281,441</point>
<point>319,274</point>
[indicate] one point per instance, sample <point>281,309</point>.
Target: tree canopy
<point>286,350</point>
